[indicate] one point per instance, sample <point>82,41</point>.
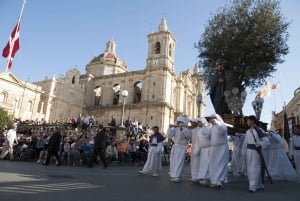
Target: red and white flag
<point>12,45</point>
<point>275,86</point>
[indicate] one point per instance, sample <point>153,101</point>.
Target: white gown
<point>238,162</point>
<point>278,163</point>
<point>153,164</point>
<point>204,141</point>
<point>295,141</point>
<point>195,155</point>
<point>253,161</point>
<point>177,155</point>
<point>219,154</point>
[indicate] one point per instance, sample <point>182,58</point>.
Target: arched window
<point>137,92</point>
<point>2,97</point>
<point>98,93</point>
<point>116,96</point>
<point>30,105</point>
<point>73,79</point>
<point>157,48</point>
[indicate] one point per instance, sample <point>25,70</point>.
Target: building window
<point>30,105</point>
<point>73,79</point>
<point>157,48</point>
<point>137,95</point>
<point>116,95</point>
<point>2,97</point>
<point>153,83</point>
<point>98,93</point>
<point>153,96</point>
<point>170,50</point>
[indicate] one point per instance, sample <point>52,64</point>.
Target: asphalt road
<point>22,181</point>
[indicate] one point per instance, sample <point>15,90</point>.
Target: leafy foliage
<point>5,119</point>
<point>251,36</point>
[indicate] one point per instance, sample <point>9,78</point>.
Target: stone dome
<point>296,91</point>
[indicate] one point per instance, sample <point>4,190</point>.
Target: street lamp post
<point>199,102</point>
<point>124,94</point>
<point>257,105</point>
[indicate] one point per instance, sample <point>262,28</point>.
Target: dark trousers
<point>101,153</point>
<point>52,153</point>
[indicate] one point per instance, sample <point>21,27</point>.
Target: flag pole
<point>18,24</point>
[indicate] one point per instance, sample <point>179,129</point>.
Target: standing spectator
<point>99,147</point>
<point>134,125</point>
<point>128,122</point>
<point>53,147</point>
<point>10,138</point>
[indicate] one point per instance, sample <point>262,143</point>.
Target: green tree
<point>5,119</point>
<point>251,36</point>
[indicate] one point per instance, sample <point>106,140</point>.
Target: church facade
<point>154,95</point>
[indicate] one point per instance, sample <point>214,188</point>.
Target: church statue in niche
<point>196,69</point>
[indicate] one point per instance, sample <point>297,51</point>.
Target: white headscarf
<point>217,117</point>
<point>203,120</point>
<point>182,119</point>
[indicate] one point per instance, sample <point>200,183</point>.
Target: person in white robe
<point>180,135</point>
<point>219,153</point>
<point>238,162</point>
<point>278,163</point>
<point>10,139</point>
<point>195,155</point>
<point>153,164</point>
<point>294,151</point>
<point>204,142</point>
<point>255,140</point>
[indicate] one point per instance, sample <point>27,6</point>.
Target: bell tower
<point>161,48</point>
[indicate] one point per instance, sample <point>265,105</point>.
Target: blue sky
<point>60,34</point>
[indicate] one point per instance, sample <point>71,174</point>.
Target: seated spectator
<point>143,150</point>
<point>132,150</point>
<point>122,148</point>
<point>75,152</point>
<point>66,151</point>
<point>87,152</point>
<point>111,152</point>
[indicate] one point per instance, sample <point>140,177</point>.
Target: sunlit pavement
<point>30,181</point>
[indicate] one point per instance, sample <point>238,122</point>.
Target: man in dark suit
<point>99,147</point>
<point>53,147</point>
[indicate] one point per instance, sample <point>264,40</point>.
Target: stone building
<point>292,110</point>
<point>19,98</point>
<point>155,94</point>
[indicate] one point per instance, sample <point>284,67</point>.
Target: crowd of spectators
<point>77,141</point>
